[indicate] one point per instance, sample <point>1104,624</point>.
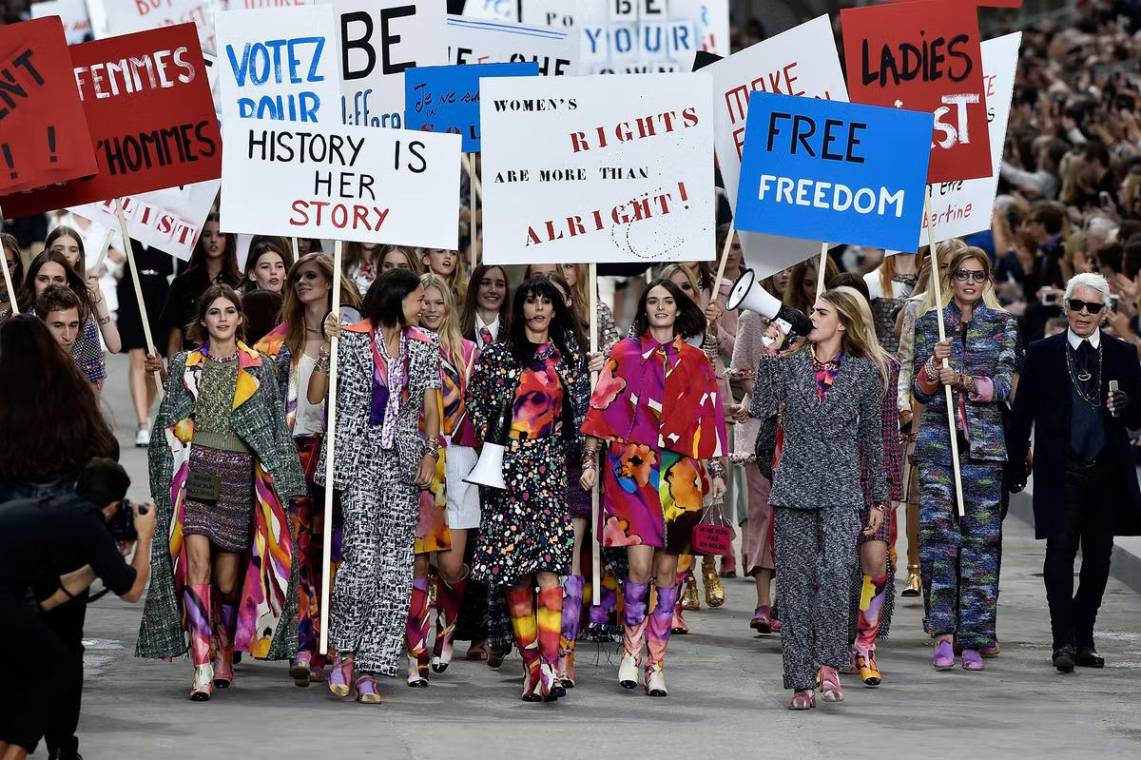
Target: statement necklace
<point>1080,377</point>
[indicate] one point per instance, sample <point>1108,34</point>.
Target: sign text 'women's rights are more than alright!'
<point>341,182</point>
<point>824,170</point>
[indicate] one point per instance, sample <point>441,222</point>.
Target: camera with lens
<point>122,525</point>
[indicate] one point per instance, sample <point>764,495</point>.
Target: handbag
<point>203,487</point>
<point>713,534</point>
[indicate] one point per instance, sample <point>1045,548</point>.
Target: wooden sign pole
<point>821,269</point>
<point>934,277</point>
<point>595,522</point>
<point>296,250</point>
<point>722,264</point>
<point>129,252</point>
<point>330,448</point>
<point>469,163</point>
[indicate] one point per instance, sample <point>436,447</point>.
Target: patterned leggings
<point>374,585</point>
<point>815,552</point>
<point>959,557</point>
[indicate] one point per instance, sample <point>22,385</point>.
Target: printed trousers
<point>815,551</point>
<point>373,587</point>
<point>959,556</point>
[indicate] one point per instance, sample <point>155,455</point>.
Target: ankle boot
<point>634,621</point>
<point>549,617</point>
<point>225,625</point>
<point>714,590</point>
<point>689,598</point>
<point>572,615</point>
<point>872,597</point>
<point>196,599</point>
<point>657,639</point>
<point>521,607</point>
<point>416,634</point>
<point>449,597</point>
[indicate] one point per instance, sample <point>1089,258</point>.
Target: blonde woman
<point>831,392</point>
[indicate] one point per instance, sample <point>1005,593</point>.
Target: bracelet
<point>322,364</point>
<point>715,469</point>
<point>589,464</point>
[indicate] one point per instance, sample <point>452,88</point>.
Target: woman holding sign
<point>658,407</point>
<point>832,393</point>
<point>959,555</point>
<point>523,392</point>
<point>389,375</point>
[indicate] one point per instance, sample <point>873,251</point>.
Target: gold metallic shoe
<point>714,591</point>
<point>689,598</point>
<point>914,586</point>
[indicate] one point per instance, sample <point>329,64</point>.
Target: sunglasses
<point>1090,307</point>
<point>963,275</point>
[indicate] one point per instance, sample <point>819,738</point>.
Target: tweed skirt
<point>227,523</point>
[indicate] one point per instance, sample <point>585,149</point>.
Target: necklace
<point>1079,377</point>
<point>224,359</point>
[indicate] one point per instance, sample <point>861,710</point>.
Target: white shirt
<point>1076,340</point>
<point>309,419</point>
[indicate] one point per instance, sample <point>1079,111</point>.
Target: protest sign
<point>341,182</point>
<point>825,170</point>
<point>801,61</point>
<point>150,114</point>
<point>379,40</point>
<point>446,98</point>
<point>170,219</point>
<point>598,169</point>
<point>278,64</point>
<point>73,13</point>
<point>127,16</point>
<point>493,10</point>
<point>924,56</point>
<point>43,129</point>
<point>478,41</point>
<point>638,36</point>
<point>966,206</point>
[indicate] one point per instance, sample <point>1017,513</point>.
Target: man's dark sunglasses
<point>1091,307</point>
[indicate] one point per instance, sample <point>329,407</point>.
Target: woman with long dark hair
<point>213,262</point>
<point>658,407</point>
<point>221,473</point>
<point>829,396</point>
<point>487,309</point>
<point>88,351</point>
<point>266,266</point>
<point>389,375</point>
<point>299,347</point>
<point>523,395</point>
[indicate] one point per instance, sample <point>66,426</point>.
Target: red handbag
<point>714,534</point>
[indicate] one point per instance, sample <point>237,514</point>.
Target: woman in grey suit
<point>829,398</point>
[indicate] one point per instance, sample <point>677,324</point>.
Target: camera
<point>122,525</point>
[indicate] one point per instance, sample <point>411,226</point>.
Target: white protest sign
<point>639,36</point>
<point>73,13</point>
<point>598,169</point>
<point>553,13</point>
<point>478,41</point>
<point>493,10</point>
<point>169,220</point>
<point>802,61</point>
<point>278,64</point>
<point>378,40</point>
<point>234,5</point>
<point>965,207</point>
<point>341,182</point>
<point>126,16</point>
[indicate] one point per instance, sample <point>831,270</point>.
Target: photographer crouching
<point>52,548</point>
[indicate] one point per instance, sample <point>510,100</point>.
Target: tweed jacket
<point>359,442</point>
<point>269,598</point>
<point>988,349</point>
<point>823,441</point>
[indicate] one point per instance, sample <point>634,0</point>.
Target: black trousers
<point>32,654</point>
<point>1088,524</point>
<point>66,621</point>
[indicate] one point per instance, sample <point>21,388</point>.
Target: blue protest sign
<point>446,98</point>
<point>841,172</point>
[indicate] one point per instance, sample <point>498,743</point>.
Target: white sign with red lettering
<point>73,13</point>
<point>965,207</point>
<point>341,182</point>
<point>598,169</point>
<point>803,62</point>
<point>125,16</point>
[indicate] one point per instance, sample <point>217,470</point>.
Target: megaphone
<point>747,293</point>
<point>488,471</point>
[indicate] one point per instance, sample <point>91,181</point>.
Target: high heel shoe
<point>417,679</point>
<point>803,700</point>
<point>869,669</point>
<point>203,687</point>
<point>830,688</point>
<point>689,597</point>
<point>914,586</point>
<point>761,622</point>
<point>301,669</point>
<point>341,679</point>
<point>367,691</point>
<point>679,626</point>
<point>714,590</point>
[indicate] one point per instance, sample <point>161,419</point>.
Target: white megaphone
<point>488,470</point>
<point>747,293</point>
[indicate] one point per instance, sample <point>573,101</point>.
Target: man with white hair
<point>1080,390</point>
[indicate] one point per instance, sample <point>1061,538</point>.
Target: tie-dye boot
<point>196,600</point>
<point>521,607</point>
<point>657,639</point>
<point>572,615</point>
<point>416,634</point>
<point>449,597</point>
<point>549,616</point>
<point>872,597</point>
<point>634,619</point>
<point>225,626</point>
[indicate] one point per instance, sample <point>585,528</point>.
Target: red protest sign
<point>924,56</point>
<point>43,130</point>
<point>151,116</point>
